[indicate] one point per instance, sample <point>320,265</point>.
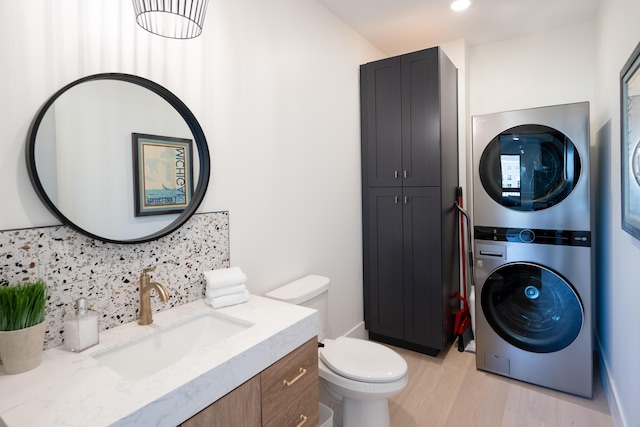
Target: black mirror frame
<point>175,102</point>
<point>630,221</point>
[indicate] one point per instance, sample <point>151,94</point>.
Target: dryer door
<point>529,167</point>
<point>532,307</point>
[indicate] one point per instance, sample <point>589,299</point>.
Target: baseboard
<point>358,331</point>
<point>471,347</point>
<point>610,389</point>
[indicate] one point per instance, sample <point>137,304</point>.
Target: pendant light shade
<point>175,19</point>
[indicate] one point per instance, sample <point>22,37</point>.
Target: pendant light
<point>175,19</point>
<point>459,5</point>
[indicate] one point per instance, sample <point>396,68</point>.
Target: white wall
<point>554,67</point>
<point>457,52</point>
<point>275,88</point>
<point>618,290</point>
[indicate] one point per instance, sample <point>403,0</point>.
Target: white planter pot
<point>21,350</point>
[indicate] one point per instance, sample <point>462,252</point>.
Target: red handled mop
<point>462,325</point>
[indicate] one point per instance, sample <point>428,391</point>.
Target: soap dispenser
<point>81,331</point>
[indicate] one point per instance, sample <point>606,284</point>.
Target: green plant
<point>22,306</point>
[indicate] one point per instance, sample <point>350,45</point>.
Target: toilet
<point>356,376</point>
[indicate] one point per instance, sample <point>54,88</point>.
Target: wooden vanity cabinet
<point>285,394</point>
<point>238,408</point>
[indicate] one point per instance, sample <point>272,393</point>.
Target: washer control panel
<point>529,235</point>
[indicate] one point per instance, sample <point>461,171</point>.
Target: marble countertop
<point>74,389</point>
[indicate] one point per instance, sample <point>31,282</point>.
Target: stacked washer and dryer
<point>532,246</point>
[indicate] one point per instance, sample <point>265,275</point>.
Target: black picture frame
<point>162,174</point>
<point>630,143</point>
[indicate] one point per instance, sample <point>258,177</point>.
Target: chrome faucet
<point>145,317</point>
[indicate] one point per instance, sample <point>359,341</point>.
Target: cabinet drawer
<point>290,389</point>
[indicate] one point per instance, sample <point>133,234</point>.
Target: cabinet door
<point>238,408</point>
<point>381,124</point>
<point>383,262</point>
<point>423,266</point>
<point>421,118</point>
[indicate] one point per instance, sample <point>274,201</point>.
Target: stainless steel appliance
<point>531,168</point>
<point>532,244</point>
<point>533,299</point>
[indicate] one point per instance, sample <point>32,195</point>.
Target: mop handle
<point>469,243</point>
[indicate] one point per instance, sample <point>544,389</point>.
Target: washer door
<point>529,167</point>
<point>532,307</point>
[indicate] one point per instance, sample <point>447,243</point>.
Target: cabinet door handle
<point>405,174</point>
<point>300,374</point>
<point>406,200</point>
<point>395,199</point>
<point>395,174</point>
<point>303,419</point>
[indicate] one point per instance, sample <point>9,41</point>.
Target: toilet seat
<point>358,390</point>
<point>362,360</point>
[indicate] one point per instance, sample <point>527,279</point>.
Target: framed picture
<point>630,143</point>
<point>162,174</point>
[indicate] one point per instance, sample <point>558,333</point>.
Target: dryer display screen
<point>510,168</point>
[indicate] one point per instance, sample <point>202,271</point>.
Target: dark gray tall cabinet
<point>409,181</point>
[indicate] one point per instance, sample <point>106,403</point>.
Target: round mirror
<point>118,157</point>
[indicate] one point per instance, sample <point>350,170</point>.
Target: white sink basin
<point>152,353</point>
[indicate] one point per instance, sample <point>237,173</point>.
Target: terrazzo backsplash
<point>107,274</point>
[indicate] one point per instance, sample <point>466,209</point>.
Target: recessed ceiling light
<point>460,4</point>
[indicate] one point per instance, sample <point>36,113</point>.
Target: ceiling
<point>400,26</point>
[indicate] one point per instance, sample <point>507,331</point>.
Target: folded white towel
<point>224,277</point>
<point>227,300</point>
<point>225,290</point>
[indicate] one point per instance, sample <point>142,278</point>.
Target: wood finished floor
<point>447,390</point>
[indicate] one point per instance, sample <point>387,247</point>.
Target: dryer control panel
<point>529,235</point>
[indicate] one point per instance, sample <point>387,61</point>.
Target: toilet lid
<point>363,360</point>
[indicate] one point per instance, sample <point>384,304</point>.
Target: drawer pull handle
<point>288,383</point>
<point>492,253</point>
<point>303,419</point>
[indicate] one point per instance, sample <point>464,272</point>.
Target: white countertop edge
<point>191,398</point>
<point>70,389</point>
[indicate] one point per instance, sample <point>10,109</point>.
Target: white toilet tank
<point>310,291</point>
